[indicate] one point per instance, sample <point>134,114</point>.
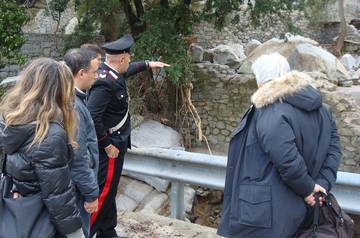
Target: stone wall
<point>221,97</point>
<point>36,45</point>
<point>347,114</point>
<point>242,32</point>
<point>40,45</point>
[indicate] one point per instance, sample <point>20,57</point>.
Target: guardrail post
<point>177,201</point>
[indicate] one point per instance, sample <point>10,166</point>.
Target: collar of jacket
<point>81,96</point>
<point>278,89</point>
<point>113,72</point>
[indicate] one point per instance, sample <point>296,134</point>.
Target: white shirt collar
<point>79,90</point>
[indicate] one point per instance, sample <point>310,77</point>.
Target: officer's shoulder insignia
<point>114,76</point>
<point>103,74</point>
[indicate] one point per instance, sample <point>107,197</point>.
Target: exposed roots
<point>188,107</point>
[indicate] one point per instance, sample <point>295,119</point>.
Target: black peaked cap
<point>119,46</point>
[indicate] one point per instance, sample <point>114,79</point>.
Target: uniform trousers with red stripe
<point>104,221</point>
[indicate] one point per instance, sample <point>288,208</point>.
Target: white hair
<point>270,66</point>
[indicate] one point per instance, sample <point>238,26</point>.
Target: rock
<point>346,83</point>
<point>303,54</point>
<point>349,62</point>
<point>321,82</point>
<point>147,135</point>
<point>353,35</point>
<point>208,56</point>
<point>342,74</point>
<point>70,27</point>
<point>297,39</point>
<point>9,81</point>
<point>197,53</point>
<point>238,50</point>
<point>251,46</point>
<point>307,57</point>
<point>189,195</point>
<point>358,72</point>
<point>149,132</point>
<point>43,23</point>
<point>224,54</point>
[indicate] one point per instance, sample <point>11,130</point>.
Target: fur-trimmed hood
<point>294,88</point>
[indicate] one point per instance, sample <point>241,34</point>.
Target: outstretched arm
<point>139,66</point>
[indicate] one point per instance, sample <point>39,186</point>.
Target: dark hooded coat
<point>285,144</point>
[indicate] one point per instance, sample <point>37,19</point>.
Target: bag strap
<point>329,203</point>
<point>315,224</point>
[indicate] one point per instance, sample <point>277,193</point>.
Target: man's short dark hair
<point>93,47</point>
<point>78,59</point>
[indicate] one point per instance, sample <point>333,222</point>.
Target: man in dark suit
<point>109,107</point>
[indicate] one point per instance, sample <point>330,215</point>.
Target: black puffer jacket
<point>43,169</point>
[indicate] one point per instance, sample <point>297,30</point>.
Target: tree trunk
<point>164,3</point>
<point>134,22</point>
<point>341,39</point>
<point>139,8</point>
<point>187,2</point>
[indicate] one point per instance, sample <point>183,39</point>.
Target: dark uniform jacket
<point>43,169</point>
<point>108,103</point>
<point>285,144</point>
<point>85,165</point>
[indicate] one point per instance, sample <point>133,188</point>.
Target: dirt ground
<point>140,225</point>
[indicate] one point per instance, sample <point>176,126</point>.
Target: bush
<point>12,18</point>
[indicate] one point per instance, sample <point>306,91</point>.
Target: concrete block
<point>159,184</point>
<point>137,190</point>
<point>124,202</point>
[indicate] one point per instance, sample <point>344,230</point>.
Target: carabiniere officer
<point>109,107</point>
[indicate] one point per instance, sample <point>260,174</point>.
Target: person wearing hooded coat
<point>285,149</point>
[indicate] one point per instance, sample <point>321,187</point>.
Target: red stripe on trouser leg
<point>105,191</point>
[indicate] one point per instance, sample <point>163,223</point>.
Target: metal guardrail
<point>182,167</point>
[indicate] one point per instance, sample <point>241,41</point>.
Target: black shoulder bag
<point>24,217</point>
<point>330,221</point>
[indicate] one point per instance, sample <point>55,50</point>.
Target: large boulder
<point>154,134</point>
<point>307,57</point>
<point>251,46</point>
<point>230,55</point>
<point>303,54</point>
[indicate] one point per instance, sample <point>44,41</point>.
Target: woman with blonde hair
<point>38,133</point>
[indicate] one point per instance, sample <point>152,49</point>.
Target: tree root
<point>188,107</point>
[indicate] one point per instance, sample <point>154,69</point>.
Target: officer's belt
<point>120,124</point>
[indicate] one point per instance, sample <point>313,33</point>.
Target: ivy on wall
<point>12,18</point>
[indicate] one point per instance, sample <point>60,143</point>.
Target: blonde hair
<point>44,93</point>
